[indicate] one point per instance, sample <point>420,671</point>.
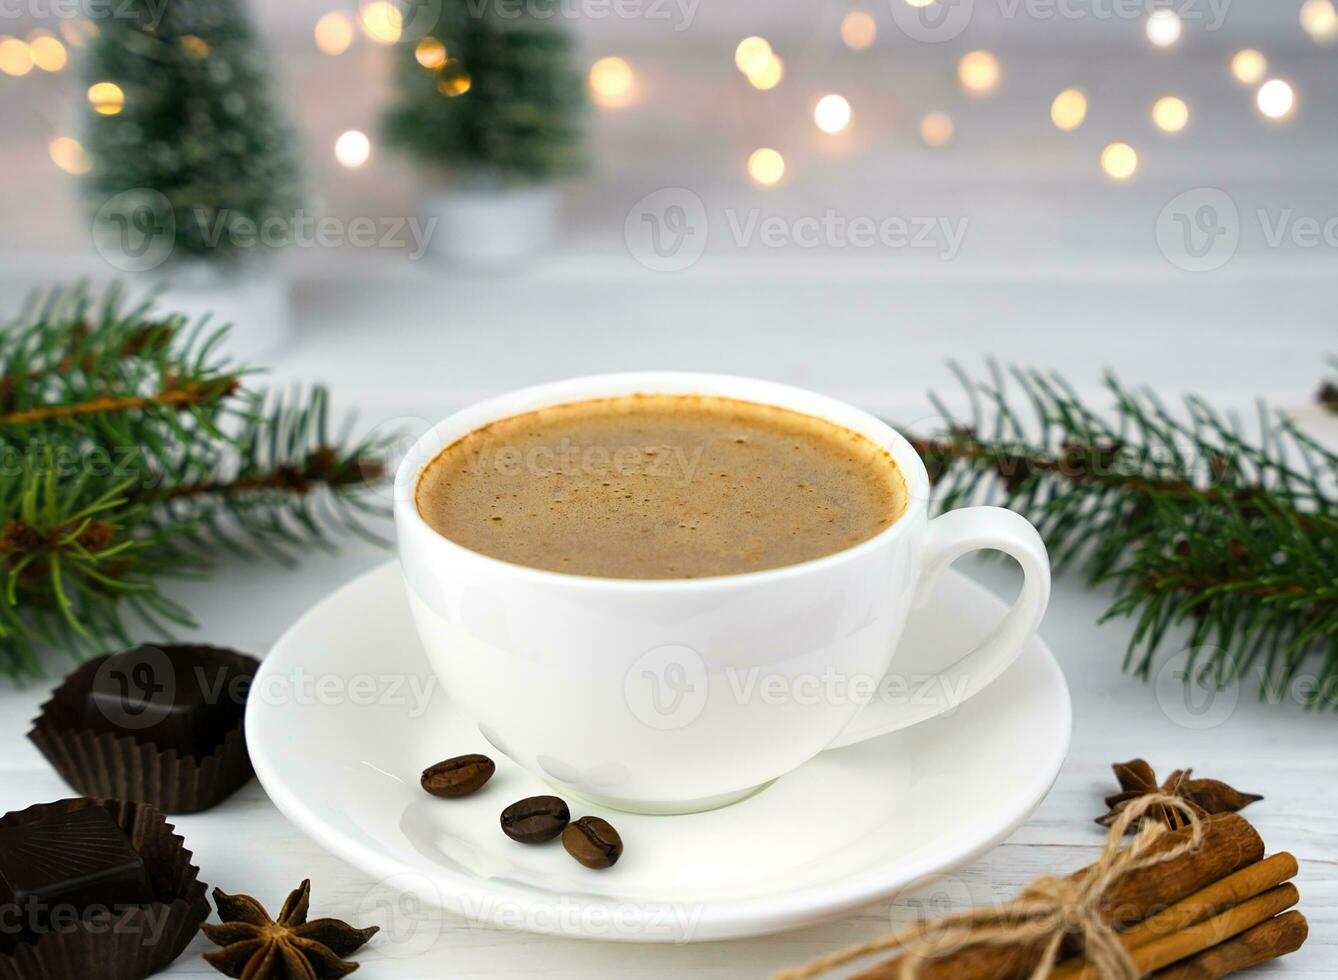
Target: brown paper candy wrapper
<point>139,941</point>
<point>108,765</point>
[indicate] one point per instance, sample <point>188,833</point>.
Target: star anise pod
<point>1205,796</point>
<point>256,947</point>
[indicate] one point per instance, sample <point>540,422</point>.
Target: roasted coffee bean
<point>535,820</point>
<point>593,842</point>
<point>459,776</point>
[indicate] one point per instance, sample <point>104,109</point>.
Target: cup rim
<point>612,385</point>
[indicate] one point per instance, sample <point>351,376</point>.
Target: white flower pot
<point>490,225</point>
<point>252,300</point>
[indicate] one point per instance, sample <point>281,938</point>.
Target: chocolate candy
<point>62,868</point>
<point>179,698</point>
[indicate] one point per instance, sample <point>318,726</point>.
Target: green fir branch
<point>132,454</point>
<point>1226,542</point>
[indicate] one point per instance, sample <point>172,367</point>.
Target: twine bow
<point>1047,911</point>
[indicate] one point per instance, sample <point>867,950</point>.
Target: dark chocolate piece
<point>176,698</point>
<point>64,868</point>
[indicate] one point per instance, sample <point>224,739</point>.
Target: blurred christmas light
<point>1164,28</point>
<point>381,21</point>
<point>196,47</point>
<point>766,166</point>
<point>1320,20</point>
<point>67,154</point>
<point>1069,109</point>
<point>1276,99</point>
<point>858,30</point>
<point>352,149</point>
<point>1170,114</point>
<point>430,53</point>
<point>978,71</point>
<point>936,129</point>
<point>16,58</point>
<point>832,114</point>
<point>611,82</point>
<point>453,80</point>
<point>106,98</point>
<point>1119,161</point>
<point>334,33</point>
<point>919,3</point>
<point>47,53</point>
<point>1248,66</point>
<point>769,75</point>
<point>752,54</point>
<point>77,30</point>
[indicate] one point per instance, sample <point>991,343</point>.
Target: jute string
<point>1048,911</point>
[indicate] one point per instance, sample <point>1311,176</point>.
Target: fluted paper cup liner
<point>136,942</point>
<point>109,765</point>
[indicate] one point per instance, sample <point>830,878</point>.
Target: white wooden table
<point>413,345</point>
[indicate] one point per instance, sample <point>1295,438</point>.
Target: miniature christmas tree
<point>190,154</point>
<point>486,92</point>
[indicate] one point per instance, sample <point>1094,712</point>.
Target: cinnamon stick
<point>1276,937</point>
<point>1206,934</point>
<point>1218,897</point>
<point>1229,844</point>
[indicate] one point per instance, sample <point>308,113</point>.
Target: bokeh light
<point>195,46</point>
<point>1170,114</point>
<point>979,72</point>
<point>381,21</point>
<point>936,129</point>
<point>766,166</point>
<point>334,33</point>
<point>453,80</point>
<point>832,114</point>
<point>768,75</point>
<point>1119,161</point>
<point>16,58</point>
<point>47,52</point>
<point>1164,28</point>
<point>1069,109</point>
<point>611,81</point>
<point>752,54</point>
<point>1248,66</point>
<point>69,155</point>
<point>858,30</point>
<point>1276,99</point>
<point>106,98</point>
<point>353,148</point>
<point>1319,19</point>
<point>77,31</point>
<point>430,53</point>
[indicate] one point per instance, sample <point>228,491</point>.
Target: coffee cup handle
<point>951,536</point>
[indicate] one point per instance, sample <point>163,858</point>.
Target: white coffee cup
<point>671,696</point>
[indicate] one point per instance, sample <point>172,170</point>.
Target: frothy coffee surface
<point>660,487</point>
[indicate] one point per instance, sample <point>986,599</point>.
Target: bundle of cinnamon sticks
<point>1208,913</point>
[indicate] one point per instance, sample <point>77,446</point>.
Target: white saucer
<point>339,734</point>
